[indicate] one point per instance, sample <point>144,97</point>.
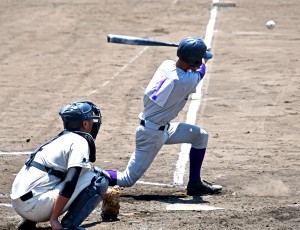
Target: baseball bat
<point>129,40</point>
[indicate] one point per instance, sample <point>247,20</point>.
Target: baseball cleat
<point>26,225</point>
<point>202,188</point>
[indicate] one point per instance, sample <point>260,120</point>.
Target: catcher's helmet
<point>191,50</point>
<point>74,113</point>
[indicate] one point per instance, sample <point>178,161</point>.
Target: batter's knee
<point>126,183</point>
<point>126,179</point>
<point>201,139</point>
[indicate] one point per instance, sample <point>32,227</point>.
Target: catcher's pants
<point>148,143</point>
<point>39,208</point>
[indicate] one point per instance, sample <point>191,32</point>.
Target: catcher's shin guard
<point>86,202</point>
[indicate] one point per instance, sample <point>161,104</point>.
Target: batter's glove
<point>111,204</point>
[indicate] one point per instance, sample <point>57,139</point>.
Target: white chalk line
<point>125,66</point>
<point>5,205</point>
<point>15,153</point>
<point>194,105</point>
<point>121,70</point>
<point>159,184</point>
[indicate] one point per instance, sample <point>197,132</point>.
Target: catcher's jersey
<point>68,150</point>
<point>168,92</point>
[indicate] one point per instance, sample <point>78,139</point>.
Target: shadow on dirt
<point>84,226</point>
<point>165,198</point>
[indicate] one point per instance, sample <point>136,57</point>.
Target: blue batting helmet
<point>191,50</point>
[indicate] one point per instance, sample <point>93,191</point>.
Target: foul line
<point>158,184</point>
<point>15,153</point>
<point>194,105</point>
<point>121,70</point>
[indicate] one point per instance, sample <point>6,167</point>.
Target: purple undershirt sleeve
<point>201,70</point>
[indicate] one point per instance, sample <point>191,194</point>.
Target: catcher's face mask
<point>97,122</point>
<point>95,115</point>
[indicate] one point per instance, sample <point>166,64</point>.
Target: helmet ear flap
<point>191,50</point>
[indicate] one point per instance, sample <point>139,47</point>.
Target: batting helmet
<point>74,113</point>
<point>191,50</point>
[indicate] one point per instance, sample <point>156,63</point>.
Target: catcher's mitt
<point>111,204</point>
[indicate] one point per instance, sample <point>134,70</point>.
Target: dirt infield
<point>54,52</point>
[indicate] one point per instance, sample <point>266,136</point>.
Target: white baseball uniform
<point>165,96</point>
<point>68,150</point>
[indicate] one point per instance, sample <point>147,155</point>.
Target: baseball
<point>270,24</point>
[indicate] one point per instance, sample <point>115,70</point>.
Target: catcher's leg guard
<point>86,202</point>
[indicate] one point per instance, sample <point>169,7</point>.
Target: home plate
<point>191,207</point>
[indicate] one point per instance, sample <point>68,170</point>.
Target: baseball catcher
<point>58,178</point>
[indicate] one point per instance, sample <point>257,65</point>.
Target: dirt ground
<point>54,52</point>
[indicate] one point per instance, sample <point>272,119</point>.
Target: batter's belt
<point>154,126</point>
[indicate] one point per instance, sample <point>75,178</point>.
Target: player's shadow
<point>89,225</point>
<point>84,225</point>
<point>170,199</point>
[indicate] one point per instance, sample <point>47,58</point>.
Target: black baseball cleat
<point>109,218</point>
<point>202,188</point>
<point>26,225</point>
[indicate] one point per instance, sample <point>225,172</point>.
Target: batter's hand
<point>205,60</point>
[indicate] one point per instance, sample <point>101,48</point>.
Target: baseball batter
<point>58,177</point>
<point>165,96</point>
